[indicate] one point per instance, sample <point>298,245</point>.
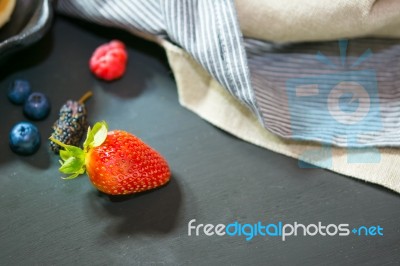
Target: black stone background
<point>217,178</point>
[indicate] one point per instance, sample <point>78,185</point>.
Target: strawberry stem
<point>86,96</point>
<point>56,141</point>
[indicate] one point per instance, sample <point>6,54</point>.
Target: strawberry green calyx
<point>73,158</point>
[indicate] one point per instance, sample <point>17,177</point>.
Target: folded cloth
<point>346,96</point>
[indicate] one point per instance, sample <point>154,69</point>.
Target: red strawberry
<point>116,162</point>
<point>108,61</point>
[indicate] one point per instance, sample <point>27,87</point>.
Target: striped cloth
<point>342,93</point>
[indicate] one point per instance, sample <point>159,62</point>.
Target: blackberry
<point>71,124</point>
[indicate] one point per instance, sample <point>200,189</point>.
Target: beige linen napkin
<point>200,93</point>
<point>318,20</point>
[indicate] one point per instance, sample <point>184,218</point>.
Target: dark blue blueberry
<point>37,106</point>
<point>19,91</point>
<point>24,138</point>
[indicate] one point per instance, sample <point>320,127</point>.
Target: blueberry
<point>24,138</point>
<point>19,91</point>
<point>37,106</point>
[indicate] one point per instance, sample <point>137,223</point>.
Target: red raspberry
<point>108,61</point>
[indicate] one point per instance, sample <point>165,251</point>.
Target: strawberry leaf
<point>72,160</point>
<point>100,136</point>
<point>73,175</point>
<point>64,155</point>
<point>88,140</point>
<point>71,166</point>
<point>96,136</point>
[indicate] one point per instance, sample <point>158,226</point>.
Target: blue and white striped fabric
<point>207,29</point>
<point>345,95</point>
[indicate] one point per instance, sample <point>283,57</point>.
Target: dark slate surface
<point>216,178</point>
